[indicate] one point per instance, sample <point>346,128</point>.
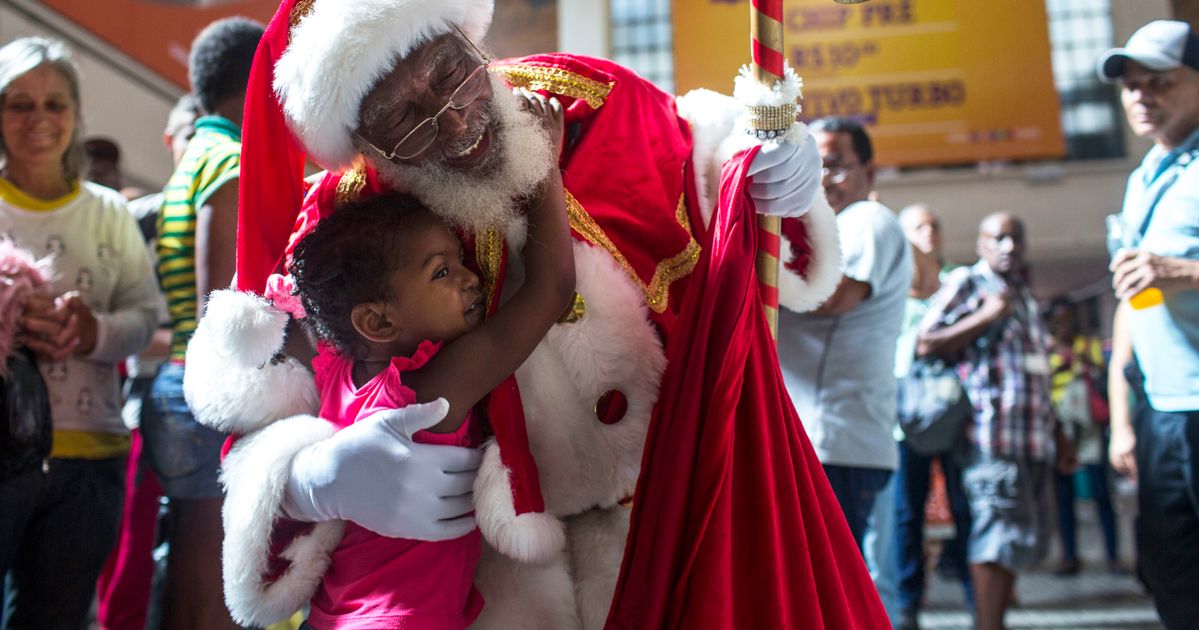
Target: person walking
<point>985,321</point>
<point>922,226</point>
<point>1156,278</point>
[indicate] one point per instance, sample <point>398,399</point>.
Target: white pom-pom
<point>233,381</point>
<point>533,537</point>
<point>250,330</point>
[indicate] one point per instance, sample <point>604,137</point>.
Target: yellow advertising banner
<point>935,81</point>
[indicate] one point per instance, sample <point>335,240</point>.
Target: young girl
<point>384,284</point>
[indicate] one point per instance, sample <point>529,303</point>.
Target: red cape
<point>734,524</point>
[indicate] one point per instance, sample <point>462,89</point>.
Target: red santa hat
<point>341,48</point>
<point>317,60</point>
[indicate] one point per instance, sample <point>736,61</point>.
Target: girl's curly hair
<point>348,259</point>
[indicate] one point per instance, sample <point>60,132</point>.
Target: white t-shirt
<point>95,248</point>
<point>839,370</point>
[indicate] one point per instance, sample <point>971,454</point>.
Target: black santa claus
<point>647,468</point>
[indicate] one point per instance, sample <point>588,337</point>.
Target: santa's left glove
<point>786,177</point>
<point>372,473</point>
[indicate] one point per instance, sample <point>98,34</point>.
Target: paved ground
<point>1095,598</point>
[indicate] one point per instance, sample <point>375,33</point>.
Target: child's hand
<point>548,111</point>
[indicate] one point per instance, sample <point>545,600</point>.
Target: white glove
<point>373,474</point>
<point>786,178</point>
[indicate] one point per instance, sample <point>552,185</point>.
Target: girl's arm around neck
<point>470,366</point>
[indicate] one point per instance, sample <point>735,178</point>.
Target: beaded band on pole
<point>768,122</point>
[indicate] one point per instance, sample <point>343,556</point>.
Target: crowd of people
<point>1047,402</point>
<point>913,378</point>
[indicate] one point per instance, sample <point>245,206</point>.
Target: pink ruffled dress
<point>379,582</point>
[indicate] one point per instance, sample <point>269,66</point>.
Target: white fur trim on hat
<point>533,537</point>
<point>233,381</point>
<point>343,48</point>
<point>255,478</point>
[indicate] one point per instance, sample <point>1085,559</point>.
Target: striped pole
<point>766,34</point>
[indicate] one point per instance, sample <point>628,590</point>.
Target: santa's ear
<point>372,321</point>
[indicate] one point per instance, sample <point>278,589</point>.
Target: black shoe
<point>1116,568</point>
<point>1068,568</point>
<point>908,620</point>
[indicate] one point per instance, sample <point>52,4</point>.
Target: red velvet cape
<point>734,524</point>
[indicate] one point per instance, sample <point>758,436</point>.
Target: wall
<point>583,27</point>
<point>121,99</point>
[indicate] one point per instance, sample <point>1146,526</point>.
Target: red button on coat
<point>611,406</point>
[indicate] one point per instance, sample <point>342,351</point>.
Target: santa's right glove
<point>373,474</point>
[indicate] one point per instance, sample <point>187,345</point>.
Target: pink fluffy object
<point>21,276</point>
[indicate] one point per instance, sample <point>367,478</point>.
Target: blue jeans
<point>1096,476</point>
<point>856,489</point>
<point>878,545</point>
<point>185,454</point>
<point>911,493</point>
<point>1167,454</point>
<point>56,530</point>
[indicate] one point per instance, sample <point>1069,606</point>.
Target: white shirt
<point>839,369</point>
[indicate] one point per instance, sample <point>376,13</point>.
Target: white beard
<point>493,194</point>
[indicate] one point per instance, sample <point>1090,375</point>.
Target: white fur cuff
<point>233,381</point>
<point>801,294</point>
<point>255,478</point>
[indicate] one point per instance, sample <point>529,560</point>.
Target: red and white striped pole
<point>766,35</point>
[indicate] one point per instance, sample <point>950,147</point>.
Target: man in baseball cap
<point>1158,74</point>
<point>1159,45</point>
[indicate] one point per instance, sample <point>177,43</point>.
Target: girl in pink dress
<point>402,321</point>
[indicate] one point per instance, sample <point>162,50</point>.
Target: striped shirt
<point>1005,371</point>
<point>212,159</point>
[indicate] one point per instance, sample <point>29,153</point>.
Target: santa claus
<point>371,90</point>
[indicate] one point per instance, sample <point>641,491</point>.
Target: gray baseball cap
<point>1158,45</point>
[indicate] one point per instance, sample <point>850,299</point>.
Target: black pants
<point>56,529</point>
<point>1167,456</point>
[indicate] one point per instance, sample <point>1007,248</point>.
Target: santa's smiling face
<point>439,126</point>
<point>433,106</point>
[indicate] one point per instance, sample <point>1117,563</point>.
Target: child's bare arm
<point>472,365</point>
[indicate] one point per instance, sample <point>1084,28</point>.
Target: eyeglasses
<point>836,174</point>
<point>416,141</point>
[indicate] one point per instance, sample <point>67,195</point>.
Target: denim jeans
<point>185,454</point>
<point>1096,477</point>
<point>911,493</point>
<point>878,546</point>
<point>1167,453</point>
<point>856,489</point>
<point>56,529</point>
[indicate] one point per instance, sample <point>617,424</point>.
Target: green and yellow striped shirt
<point>212,159</point>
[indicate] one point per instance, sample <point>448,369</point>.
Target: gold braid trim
<point>555,81</point>
<point>657,292</point>
<point>349,187</point>
<point>489,251</point>
<point>302,9</point>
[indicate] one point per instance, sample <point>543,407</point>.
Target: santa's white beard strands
<point>492,194</point>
